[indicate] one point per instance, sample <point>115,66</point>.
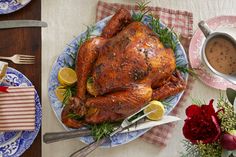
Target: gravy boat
<point>227,33</point>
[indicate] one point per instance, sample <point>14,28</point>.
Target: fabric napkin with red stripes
<point>182,23</point>
<point>17,108</point>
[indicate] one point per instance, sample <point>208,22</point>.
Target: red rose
<point>202,124</point>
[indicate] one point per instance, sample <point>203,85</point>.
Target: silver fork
<point>20,59</point>
<point>129,121</point>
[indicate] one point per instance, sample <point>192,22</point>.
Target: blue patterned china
<point>15,143</point>
<point>9,6</point>
<point>68,55</point>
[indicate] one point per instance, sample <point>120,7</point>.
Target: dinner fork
<point>129,121</point>
<point>20,59</point>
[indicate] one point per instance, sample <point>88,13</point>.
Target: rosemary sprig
<point>186,70</point>
<point>197,101</point>
<point>143,10</point>
<point>67,64</point>
<point>167,36</point>
<point>87,36</point>
<point>75,116</point>
<point>90,80</point>
<point>99,131</point>
<point>69,92</point>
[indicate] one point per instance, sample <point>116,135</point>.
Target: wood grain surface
<point>25,41</point>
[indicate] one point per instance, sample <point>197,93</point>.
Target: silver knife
<point>149,123</point>
<point>21,23</point>
<point>59,136</point>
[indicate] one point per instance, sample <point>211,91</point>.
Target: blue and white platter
<point>15,143</point>
<point>9,6</point>
<point>70,52</point>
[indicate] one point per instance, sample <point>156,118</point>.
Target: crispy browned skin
<point>118,22</point>
<point>87,54</point>
<point>128,70</point>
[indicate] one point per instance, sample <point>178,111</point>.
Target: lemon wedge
<point>59,91</point>
<point>158,110</point>
<point>67,76</point>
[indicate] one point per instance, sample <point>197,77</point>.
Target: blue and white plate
<point>9,6</point>
<point>68,54</point>
<point>15,143</point>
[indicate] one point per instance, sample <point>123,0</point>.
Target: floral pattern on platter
<point>9,6</point>
<point>70,52</point>
<point>15,143</point>
<point>204,74</point>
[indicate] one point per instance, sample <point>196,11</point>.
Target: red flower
<point>202,124</point>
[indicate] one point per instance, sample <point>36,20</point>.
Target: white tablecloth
<point>66,19</point>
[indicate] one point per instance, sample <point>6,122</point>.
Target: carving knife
<point>59,136</point>
<point>21,23</point>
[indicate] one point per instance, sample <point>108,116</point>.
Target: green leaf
<point>231,95</point>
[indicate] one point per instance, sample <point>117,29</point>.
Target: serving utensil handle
<point>59,136</point>
<point>83,152</point>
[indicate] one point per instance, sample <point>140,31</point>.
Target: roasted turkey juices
<point>221,54</point>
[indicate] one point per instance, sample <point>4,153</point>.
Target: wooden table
<point>25,41</point>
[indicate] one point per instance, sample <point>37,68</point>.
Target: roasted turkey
<point>121,71</point>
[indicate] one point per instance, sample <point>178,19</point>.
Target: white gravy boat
<point>228,33</point>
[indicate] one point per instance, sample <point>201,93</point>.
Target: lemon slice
<point>67,76</point>
<point>157,108</point>
<point>59,91</point>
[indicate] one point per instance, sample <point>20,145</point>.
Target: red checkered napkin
<point>182,23</point>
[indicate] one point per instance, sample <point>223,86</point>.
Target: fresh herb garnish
<point>75,116</point>
<point>166,36</point>
<point>99,131</point>
<point>69,65</point>
<point>87,36</point>
<point>197,101</point>
<point>69,92</point>
<point>90,80</point>
<point>143,10</point>
<point>186,70</point>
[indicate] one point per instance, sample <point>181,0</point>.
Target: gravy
<point>221,54</point>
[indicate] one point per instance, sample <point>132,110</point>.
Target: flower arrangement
<point>210,132</point>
